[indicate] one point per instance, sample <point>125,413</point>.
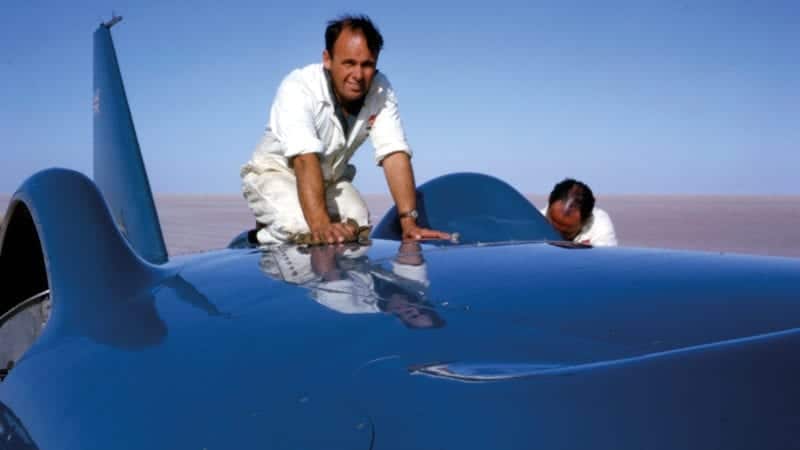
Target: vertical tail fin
<point>119,170</point>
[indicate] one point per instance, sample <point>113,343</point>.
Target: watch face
<point>413,214</point>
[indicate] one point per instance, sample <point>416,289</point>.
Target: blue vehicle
<point>508,339</point>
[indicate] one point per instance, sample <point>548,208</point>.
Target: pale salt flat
<point>764,225</point>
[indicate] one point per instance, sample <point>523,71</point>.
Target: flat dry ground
<point>766,225</point>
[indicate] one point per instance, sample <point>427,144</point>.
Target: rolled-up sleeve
<point>292,119</point>
<point>387,132</point>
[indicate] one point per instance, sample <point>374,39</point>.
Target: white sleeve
<point>387,132</point>
<point>602,232</point>
<point>292,118</point>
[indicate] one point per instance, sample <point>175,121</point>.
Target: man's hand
<point>311,190</point>
<point>333,233</point>
<point>412,231</point>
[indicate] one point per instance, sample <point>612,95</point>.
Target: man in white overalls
<point>299,178</point>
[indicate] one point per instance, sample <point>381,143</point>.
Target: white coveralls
<point>597,231</point>
<point>303,120</point>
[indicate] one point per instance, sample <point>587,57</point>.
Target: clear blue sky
<point>631,97</point>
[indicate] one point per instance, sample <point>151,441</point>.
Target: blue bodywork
<point>513,343</point>
<point>118,166</point>
<point>478,207</point>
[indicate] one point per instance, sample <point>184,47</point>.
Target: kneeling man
<point>299,179</point>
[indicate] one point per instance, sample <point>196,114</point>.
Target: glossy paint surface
<point>641,349</point>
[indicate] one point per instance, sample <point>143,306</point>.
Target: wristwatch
<point>413,214</point>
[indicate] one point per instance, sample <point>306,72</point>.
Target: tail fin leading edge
<point>119,170</point>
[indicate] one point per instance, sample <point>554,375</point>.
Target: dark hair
<point>360,23</point>
<point>578,192</point>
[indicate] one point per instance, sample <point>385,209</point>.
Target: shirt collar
<point>332,96</point>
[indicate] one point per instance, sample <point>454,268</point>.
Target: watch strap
<point>413,214</point>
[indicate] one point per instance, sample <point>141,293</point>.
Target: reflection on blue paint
<point>482,372</point>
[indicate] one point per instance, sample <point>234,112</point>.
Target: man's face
<point>352,66</point>
<point>566,220</point>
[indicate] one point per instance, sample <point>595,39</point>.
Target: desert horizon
<point>750,224</point>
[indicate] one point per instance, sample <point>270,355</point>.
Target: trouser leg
<point>273,198</point>
<point>345,202</point>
